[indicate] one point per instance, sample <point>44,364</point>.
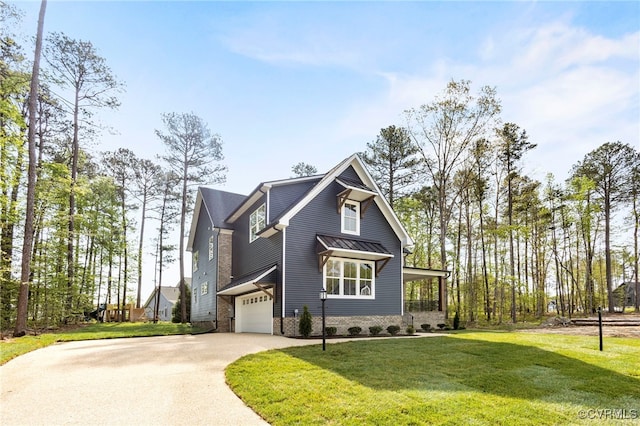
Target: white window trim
<point>204,288</point>
<point>196,260</point>
<point>372,264</point>
<point>254,229</point>
<point>343,215</point>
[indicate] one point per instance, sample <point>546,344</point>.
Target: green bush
<point>411,330</point>
<point>375,330</point>
<point>354,331</point>
<point>442,326</point>
<point>426,327</point>
<point>456,321</point>
<point>331,331</point>
<point>176,318</point>
<point>306,322</point>
<point>393,329</point>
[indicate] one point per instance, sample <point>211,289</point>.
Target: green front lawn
<point>12,348</point>
<point>468,378</point>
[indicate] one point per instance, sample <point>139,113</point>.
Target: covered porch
<point>424,291</point>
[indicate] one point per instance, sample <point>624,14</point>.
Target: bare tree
<point>444,131</point>
<point>191,150</point>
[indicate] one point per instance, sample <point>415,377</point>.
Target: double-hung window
<point>257,222</point>
<point>349,278</point>
<point>351,217</point>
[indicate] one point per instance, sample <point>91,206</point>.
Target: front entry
<point>254,313</point>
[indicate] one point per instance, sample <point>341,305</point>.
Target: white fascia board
<point>324,182</point>
<point>382,203</point>
<point>194,220</point>
<point>248,202</point>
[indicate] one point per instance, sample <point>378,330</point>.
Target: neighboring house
<point>625,295</point>
<point>258,259</point>
<point>168,298</point>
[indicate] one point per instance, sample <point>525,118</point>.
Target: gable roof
<point>262,189</point>
<point>170,293</point>
<point>368,185</point>
<point>218,205</point>
<point>237,204</point>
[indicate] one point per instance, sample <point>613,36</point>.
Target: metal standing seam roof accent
<point>346,182</point>
<point>340,243</point>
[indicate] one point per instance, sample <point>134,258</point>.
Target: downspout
<point>284,269</point>
<point>217,275</point>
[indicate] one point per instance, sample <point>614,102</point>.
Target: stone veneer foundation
<point>344,323</point>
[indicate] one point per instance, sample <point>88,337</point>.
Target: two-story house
<point>258,259</point>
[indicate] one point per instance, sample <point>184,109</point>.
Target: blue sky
<point>284,82</point>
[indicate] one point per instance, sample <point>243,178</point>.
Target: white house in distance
<point>168,299</point>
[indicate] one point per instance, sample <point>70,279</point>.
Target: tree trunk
<point>23,296</point>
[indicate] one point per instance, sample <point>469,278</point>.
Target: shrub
<point>306,322</point>
<point>393,329</point>
<point>442,326</point>
<point>331,331</point>
<point>456,321</point>
<point>411,330</point>
<point>354,331</point>
<point>177,308</point>
<point>426,327</point>
<point>375,330</point>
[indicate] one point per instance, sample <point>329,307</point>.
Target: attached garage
<point>254,313</point>
<point>253,300</point>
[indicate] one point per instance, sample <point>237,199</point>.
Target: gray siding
<point>263,252</point>
<point>205,307</point>
<point>249,257</point>
<point>304,279</point>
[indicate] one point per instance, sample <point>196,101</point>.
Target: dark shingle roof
<point>220,204</point>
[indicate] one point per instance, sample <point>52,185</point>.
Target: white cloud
<point>570,89</point>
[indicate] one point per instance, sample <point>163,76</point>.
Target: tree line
<point>82,216</point>
<point>452,171</point>
<point>516,247</point>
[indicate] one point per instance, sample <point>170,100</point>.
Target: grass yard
<point>12,348</point>
<point>485,378</point>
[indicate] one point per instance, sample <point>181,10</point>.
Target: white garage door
<point>254,313</point>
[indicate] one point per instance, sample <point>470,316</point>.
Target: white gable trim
<point>195,218</point>
<point>362,172</point>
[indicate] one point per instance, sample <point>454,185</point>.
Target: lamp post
<point>323,297</point>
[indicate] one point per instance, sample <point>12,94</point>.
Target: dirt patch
<point>588,330</point>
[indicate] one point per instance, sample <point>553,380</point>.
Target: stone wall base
<point>433,318</point>
<point>291,325</point>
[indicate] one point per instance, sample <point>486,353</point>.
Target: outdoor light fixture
<point>323,297</point>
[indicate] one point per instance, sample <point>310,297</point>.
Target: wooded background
<point>452,171</point>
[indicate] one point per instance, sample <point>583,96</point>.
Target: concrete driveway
<point>173,380</point>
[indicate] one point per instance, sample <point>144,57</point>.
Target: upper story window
<point>257,221</point>
<point>351,217</point>
<point>211,246</point>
